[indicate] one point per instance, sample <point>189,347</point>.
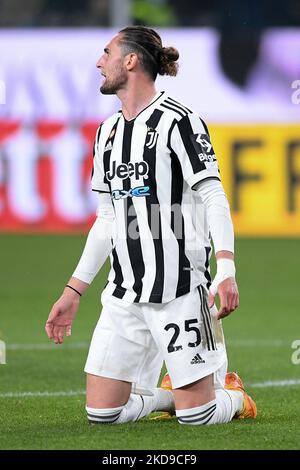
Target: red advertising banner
<point>45,176</point>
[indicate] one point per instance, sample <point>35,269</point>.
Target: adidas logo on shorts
<point>197,359</point>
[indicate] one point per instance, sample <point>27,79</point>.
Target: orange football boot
<point>233,382</point>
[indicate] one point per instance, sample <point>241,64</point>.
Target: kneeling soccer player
<point>160,196</point>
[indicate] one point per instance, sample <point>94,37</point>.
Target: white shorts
<point>131,341</point>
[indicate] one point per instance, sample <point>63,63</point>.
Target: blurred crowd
<point>223,14</point>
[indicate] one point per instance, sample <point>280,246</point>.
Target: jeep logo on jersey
<point>203,147</point>
<point>123,171</point>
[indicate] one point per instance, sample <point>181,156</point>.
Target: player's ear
<point>131,61</point>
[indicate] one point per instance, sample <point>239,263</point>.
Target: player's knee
<point>105,415</point>
<point>204,414</point>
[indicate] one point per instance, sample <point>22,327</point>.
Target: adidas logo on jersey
<point>197,359</point>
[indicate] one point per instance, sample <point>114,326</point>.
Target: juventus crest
<point>152,136</point>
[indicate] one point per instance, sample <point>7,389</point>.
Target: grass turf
<point>259,335</point>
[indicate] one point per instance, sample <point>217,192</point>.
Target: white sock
<point>137,407</point>
<point>220,410</point>
<point>237,400</point>
<point>104,416</point>
<point>165,400</point>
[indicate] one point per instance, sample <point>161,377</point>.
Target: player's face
<point>111,65</point>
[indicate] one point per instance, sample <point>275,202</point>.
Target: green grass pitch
<point>259,335</point>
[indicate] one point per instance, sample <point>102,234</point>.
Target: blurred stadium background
<point>240,70</point>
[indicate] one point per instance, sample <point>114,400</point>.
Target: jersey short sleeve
<point>98,176</point>
<point>191,143</point>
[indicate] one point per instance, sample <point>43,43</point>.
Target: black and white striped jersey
<point>150,165</point>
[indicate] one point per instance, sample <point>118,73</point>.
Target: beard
<point>113,85</point>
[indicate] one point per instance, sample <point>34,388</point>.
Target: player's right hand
<point>61,317</point>
<point>229,297</point>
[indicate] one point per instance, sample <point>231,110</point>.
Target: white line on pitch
<point>44,346</point>
<point>257,342</point>
<point>276,383</point>
<point>71,393</point>
<point>244,343</point>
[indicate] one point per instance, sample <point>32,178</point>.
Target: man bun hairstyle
<point>168,61</point>
<point>147,44</point>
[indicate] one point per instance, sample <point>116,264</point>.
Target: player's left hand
<point>229,297</point>
<point>61,317</point>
